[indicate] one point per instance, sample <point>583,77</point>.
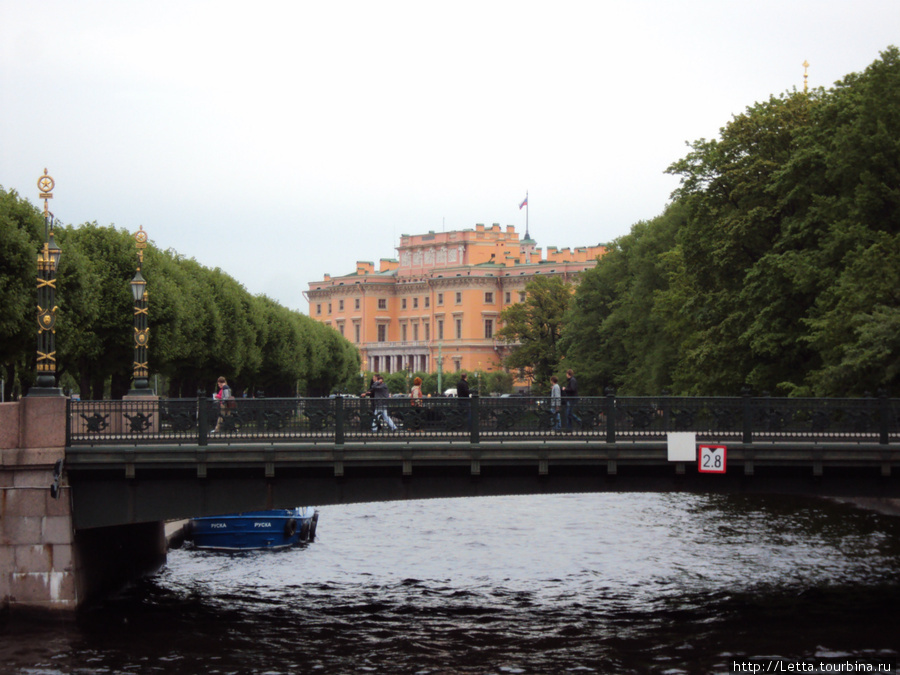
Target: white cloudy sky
<point>284,140</point>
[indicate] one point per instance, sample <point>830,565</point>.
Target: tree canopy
<point>203,323</point>
<point>775,267</point>
<point>533,328</point>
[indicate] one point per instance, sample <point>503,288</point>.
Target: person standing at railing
<point>571,394</point>
<point>415,393</point>
<point>225,401</point>
<point>462,393</point>
<point>555,402</point>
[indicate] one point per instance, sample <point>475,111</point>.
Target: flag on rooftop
<point>524,203</point>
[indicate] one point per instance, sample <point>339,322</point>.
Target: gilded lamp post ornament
<point>141,316</point>
<point>47,265</point>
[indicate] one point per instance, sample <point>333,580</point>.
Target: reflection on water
<point>605,583</point>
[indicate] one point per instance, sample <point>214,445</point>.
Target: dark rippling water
<point>605,583</point>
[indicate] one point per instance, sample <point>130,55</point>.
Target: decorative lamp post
<point>47,264</point>
<point>141,330</point>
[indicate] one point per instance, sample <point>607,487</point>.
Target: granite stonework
<point>44,563</point>
<point>37,567</point>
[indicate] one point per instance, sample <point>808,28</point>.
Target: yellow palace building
<point>437,306</point>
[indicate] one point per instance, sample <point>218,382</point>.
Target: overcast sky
<point>284,140</point>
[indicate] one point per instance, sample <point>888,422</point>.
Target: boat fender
<point>290,527</point>
<point>304,531</point>
<point>312,526</point>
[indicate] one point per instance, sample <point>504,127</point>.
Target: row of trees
<point>203,323</point>
<point>776,266</point>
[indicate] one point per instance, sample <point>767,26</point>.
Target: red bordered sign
<point>712,458</point>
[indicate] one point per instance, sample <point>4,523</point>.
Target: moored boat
<point>253,530</point>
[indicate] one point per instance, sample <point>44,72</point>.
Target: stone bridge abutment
<point>44,563</point>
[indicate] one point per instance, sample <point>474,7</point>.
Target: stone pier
<point>44,562</point>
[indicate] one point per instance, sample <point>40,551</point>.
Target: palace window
<point>341,306</point>
<point>427,302</point>
<point>440,299</point>
<point>507,297</point>
<point>415,332</point>
<point>403,303</point>
<point>458,298</point>
<point>415,303</point>
<point>403,332</point>
<point>382,303</point>
<point>488,297</point>
<point>318,309</point>
<point>459,329</point>
<point>356,332</point>
<point>488,328</point>
<point>382,332</point>
<point>440,329</point>
<point>356,304</point>
<point>427,331</point>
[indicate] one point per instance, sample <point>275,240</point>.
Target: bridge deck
<point>312,451</point>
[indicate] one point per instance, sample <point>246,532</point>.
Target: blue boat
<point>253,530</point>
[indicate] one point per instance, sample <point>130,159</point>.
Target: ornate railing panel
<point>603,419</point>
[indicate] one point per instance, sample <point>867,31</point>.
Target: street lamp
<point>141,385</point>
<point>47,264</point>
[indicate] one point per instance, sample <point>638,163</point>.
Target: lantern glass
<point>138,284</point>
<point>54,252</point>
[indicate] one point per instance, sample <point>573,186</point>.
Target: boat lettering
<point>218,525</point>
<point>262,524</point>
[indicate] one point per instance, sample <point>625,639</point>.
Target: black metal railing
<point>608,419</point>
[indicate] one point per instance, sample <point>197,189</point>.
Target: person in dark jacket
<point>570,394</point>
<point>462,392</point>
<point>462,387</point>
<point>379,391</point>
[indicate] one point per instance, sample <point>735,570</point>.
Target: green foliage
<point>203,323</point>
<point>21,236</point>
<point>618,333</point>
<point>496,382</point>
<point>775,267</point>
<point>533,328</point>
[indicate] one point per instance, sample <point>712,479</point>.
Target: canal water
<point>603,583</point>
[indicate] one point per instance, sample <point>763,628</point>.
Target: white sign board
<point>682,446</point>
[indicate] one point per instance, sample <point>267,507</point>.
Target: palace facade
<point>437,306</point>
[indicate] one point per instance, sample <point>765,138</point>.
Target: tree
<point>723,282</point>
<point>616,332</point>
<point>533,328</point>
<point>95,335</point>
<point>21,236</point>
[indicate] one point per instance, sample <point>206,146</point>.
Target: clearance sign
<point>711,458</point>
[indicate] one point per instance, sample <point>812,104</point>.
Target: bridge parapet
<point>607,419</point>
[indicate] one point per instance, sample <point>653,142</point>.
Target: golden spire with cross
<point>805,75</point>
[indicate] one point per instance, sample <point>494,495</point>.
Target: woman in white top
<point>555,401</point>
